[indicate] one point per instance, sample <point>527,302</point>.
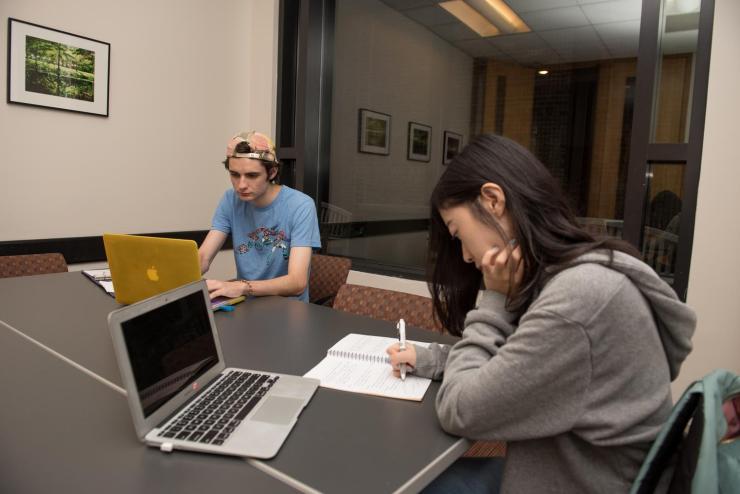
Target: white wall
<point>388,63</point>
<point>714,281</point>
<point>185,76</point>
<point>388,283</point>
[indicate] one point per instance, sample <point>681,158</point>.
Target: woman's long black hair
<point>543,225</point>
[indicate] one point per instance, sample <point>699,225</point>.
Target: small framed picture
<point>374,132</point>
<point>452,146</point>
<point>420,142</point>
<point>55,69</point>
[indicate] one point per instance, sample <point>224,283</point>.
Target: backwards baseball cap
<point>252,145</point>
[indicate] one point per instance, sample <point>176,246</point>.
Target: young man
<point>273,227</point>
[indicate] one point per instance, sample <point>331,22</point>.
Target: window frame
<point>644,153</point>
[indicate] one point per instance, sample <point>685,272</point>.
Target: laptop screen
<point>169,347</point>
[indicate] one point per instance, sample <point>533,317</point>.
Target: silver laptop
<point>182,395</point>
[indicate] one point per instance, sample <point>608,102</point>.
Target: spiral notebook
<point>358,363</point>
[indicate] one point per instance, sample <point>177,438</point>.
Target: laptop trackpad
<point>278,410</point>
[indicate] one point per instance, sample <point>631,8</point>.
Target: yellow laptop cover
<point>142,267</point>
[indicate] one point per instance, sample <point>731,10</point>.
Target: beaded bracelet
<point>250,290</point>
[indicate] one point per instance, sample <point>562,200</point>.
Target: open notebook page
<point>358,363</point>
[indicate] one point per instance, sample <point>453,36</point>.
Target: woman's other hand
<point>496,266</point>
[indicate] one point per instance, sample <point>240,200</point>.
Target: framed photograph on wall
<point>419,142</point>
<point>55,69</point>
<point>452,145</point>
<point>374,132</point>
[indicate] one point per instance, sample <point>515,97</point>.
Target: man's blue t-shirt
<point>263,237</point>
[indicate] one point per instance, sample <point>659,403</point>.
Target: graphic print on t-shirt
<point>266,239</point>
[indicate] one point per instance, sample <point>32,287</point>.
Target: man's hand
<point>230,289</point>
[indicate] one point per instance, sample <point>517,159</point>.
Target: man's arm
<point>209,248</point>
<point>291,284</point>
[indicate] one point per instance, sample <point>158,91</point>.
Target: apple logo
<point>152,274</point>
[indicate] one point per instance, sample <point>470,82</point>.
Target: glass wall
<point>662,217</point>
<point>679,34</point>
<point>413,81</point>
<point>665,179</point>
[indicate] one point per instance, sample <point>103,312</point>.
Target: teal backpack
<point>704,463</point>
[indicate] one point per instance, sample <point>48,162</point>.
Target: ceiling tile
<point>455,32</point>
<point>538,58</point>
<point>515,43</point>
<point>543,20</point>
<point>613,11</point>
<point>620,38</point>
<point>430,16</point>
<point>408,4</point>
<point>562,30</point>
<point>480,48</point>
<point>576,44</point>
<point>521,6</point>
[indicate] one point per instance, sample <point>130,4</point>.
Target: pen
<point>402,345</point>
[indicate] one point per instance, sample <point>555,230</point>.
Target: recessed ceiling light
<point>543,72</point>
<point>471,18</point>
<point>501,15</point>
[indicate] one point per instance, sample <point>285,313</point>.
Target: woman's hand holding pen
<point>496,267</point>
<point>398,357</point>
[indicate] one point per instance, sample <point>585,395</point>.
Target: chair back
<point>659,251</point>
<point>328,273</point>
<point>594,226</point>
<point>387,305</point>
<point>614,228</point>
<point>334,222</point>
<point>29,264</point>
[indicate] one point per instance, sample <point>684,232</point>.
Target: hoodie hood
<point>675,320</point>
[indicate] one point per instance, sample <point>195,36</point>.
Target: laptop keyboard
<point>214,416</point>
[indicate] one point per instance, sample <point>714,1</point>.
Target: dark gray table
<point>66,312</point>
<point>343,441</point>
<point>62,431</point>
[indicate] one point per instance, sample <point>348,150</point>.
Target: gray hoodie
<point>580,388</point>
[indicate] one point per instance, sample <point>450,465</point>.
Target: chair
<point>334,223</point>
<point>29,264</point>
<point>328,274</point>
<point>614,228</point>
<point>387,305</point>
<point>594,226</point>
<point>659,251</point>
<point>416,310</point>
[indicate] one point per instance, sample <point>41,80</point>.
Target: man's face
<point>249,178</point>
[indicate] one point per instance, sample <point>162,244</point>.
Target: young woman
<point>568,352</point>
